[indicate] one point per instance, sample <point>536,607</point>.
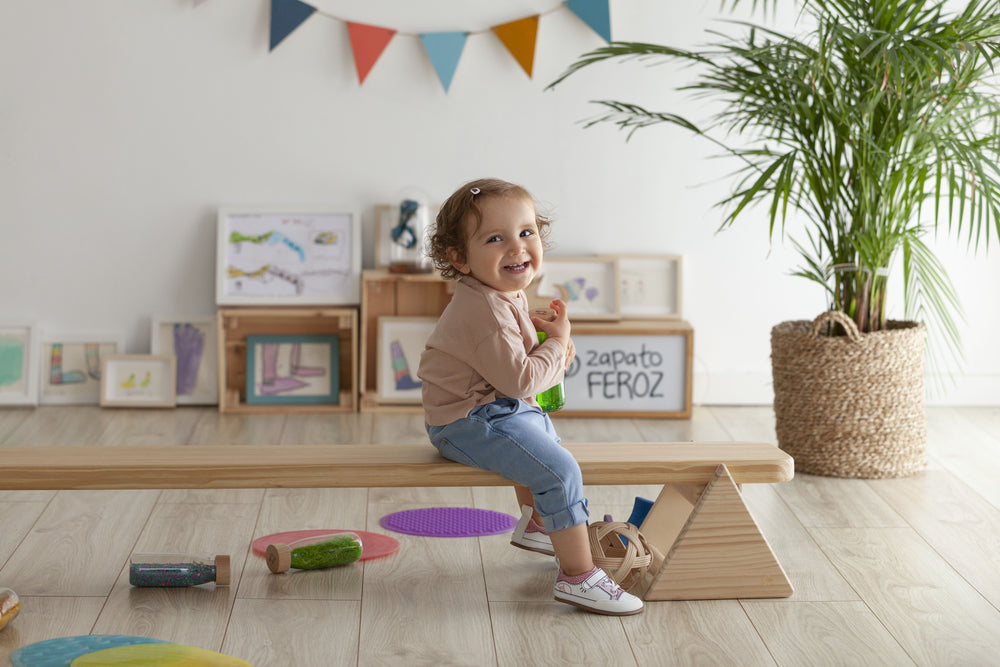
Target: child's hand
<point>559,328</point>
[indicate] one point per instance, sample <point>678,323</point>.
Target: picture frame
<point>193,341</point>
<point>386,219</point>
<point>287,370</point>
<point>19,359</point>
<point>588,285</point>
<point>649,286</point>
<point>401,341</point>
<point>288,255</point>
<point>70,365</point>
<point>138,381</point>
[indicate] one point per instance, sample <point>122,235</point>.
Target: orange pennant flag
<point>368,42</point>
<point>519,38</point>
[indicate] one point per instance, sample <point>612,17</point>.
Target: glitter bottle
<point>176,570</point>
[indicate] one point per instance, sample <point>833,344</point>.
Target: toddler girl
<point>483,366</point>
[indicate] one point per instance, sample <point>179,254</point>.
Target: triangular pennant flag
<point>519,38</point>
<point>444,49</point>
<point>286,16</point>
<point>368,42</point>
<point>594,13</point>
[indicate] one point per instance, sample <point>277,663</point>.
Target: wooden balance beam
<point>706,543</point>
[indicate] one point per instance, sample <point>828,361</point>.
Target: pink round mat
<point>373,545</point>
<point>449,522</point>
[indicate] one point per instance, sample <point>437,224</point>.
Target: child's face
<point>506,251</point>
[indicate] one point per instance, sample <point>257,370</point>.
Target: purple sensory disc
<point>449,522</point>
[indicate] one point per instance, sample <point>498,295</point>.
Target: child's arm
<point>558,329</point>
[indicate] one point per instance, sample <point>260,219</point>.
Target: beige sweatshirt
<point>484,347</point>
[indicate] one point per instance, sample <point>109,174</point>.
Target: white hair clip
<point>474,191</point>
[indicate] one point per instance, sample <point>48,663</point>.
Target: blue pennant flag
<point>444,49</point>
<point>286,16</point>
<point>594,13</point>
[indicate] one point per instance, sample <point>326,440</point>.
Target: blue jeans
<point>518,441</point>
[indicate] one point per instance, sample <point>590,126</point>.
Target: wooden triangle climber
<point>720,552</point>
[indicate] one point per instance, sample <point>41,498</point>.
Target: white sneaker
<point>598,593</point>
<point>529,535</point>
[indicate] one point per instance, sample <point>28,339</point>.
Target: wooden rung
<point>720,552</point>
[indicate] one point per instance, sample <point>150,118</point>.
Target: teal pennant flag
<point>444,49</point>
<point>594,13</point>
<point>286,16</point>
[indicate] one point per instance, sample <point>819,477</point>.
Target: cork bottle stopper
<point>222,570</point>
<point>279,557</point>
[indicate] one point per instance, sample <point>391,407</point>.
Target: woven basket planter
<point>850,406</point>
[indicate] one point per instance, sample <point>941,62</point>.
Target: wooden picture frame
<point>400,341</point>
<point>288,255</point>
<point>19,359</point>
<point>71,366</point>
<point>302,370</point>
<point>138,381</point>
<point>640,368</point>
<point>588,285</point>
<point>193,341</point>
<point>649,286</point>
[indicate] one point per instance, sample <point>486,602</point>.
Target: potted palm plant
<point>876,125</point>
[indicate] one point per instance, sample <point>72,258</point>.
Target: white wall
<point>123,125</point>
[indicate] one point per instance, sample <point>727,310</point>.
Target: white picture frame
<point>193,340</point>
<point>138,381</point>
<point>288,255</point>
<point>70,365</point>
<point>649,286</point>
<point>19,358</point>
<point>401,341</point>
<point>588,285</point>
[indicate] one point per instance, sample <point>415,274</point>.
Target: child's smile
<point>505,252</point>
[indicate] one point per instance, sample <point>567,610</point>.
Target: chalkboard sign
<point>630,369</point>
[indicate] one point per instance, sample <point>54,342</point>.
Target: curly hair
<point>448,231</point>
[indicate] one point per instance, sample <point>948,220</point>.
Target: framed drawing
<point>192,341</point>
<point>71,366</point>
<point>18,363</point>
<point>288,255</point>
<point>138,381</point>
<point>588,285</point>
<point>401,341</point>
<point>649,286</point>
<point>293,369</point>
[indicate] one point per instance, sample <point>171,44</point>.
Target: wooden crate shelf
<point>394,294</point>
<point>235,324</point>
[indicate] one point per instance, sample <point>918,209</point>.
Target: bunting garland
<point>367,42</point>
<point>286,16</point>
<point>442,48</point>
<point>519,38</point>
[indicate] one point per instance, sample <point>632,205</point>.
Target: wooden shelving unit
<point>401,295</point>
<point>235,324</point>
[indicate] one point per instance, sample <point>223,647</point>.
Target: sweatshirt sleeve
<point>502,360</point>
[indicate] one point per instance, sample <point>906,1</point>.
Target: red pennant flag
<point>519,38</point>
<point>368,42</point>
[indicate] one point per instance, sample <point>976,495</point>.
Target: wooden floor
<point>893,572</point>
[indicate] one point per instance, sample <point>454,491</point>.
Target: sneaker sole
<point>544,552</point>
<point>596,610</point>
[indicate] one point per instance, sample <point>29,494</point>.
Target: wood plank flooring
<point>888,572</point>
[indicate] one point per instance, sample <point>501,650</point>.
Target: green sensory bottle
<point>554,398</point>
